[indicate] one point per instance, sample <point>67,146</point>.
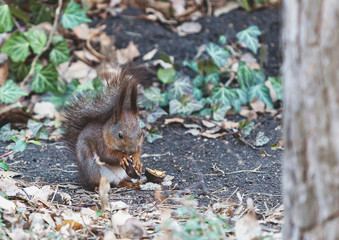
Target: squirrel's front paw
<point>127,165</point>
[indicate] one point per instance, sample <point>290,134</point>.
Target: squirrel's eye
<point>121,136</point>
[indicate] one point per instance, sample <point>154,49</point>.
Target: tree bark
<point>311,119</point>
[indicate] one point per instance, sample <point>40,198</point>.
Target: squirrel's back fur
<point>84,108</point>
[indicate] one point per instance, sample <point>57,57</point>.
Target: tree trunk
<point>311,119</point>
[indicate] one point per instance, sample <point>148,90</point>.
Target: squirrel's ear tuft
<point>134,98</point>
<point>121,101</point>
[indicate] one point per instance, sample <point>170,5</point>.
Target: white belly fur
<point>115,174</point>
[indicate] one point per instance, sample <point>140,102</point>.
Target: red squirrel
<point>103,130</point>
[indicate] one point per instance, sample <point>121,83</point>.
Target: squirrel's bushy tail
<point>83,108</point>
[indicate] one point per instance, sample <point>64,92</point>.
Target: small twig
<point>6,154</point>
<point>89,46</point>
<point>230,80</point>
<point>255,170</point>
<point>209,7</point>
<point>51,34</point>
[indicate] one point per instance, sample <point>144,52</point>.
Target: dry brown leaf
<point>194,132</point>
<point>9,174</point>
<point>44,110</point>
<point>272,92</point>
<point>78,69</point>
<point>127,54</point>
<point>192,125</point>
<point>208,124</point>
<point>213,130</point>
<point>226,7</point>
<point>249,114</point>
<point>248,58</point>
<point>258,106</point>
<point>127,226</point>
<point>86,56</point>
<point>82,31</point>
<point>104,187</point>
<point>174,120</point>
<point>229,124</point>
<point>3,68</point>
<point>150,54</point>
<point>157,15</point>
<point>215,135</point>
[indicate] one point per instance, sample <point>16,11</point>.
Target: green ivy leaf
<point>4,166</point>
<point>73,15</point>
<point>258,77</point>
<point>39,12</point>
<point>218,54</point>
<point>19,70</point>
<point>246,126</point>
<point>240,100</point>
<point>35,142</point>
<point>261,139</point>
<point>220,111</point>
<point>249,37</point>
<point>192,105</point>
<point>262,93</point>
<point>197,93</point>
<point>213,78</point>
<point>37,40</point>
<point>223,95</point>
<point>6,19</point>
<point>175,106</point>
<point>244,76</point>
<point>179,87</point>
<point>277,86</point>
<point>10,92</point>
<point>60,53</point>
<point>16,47</point>
<point>198,81</point>
<point>192,65</point>
<point>19,13</point>
<point>156,114</point>
<point>154,96</point>
<point>20,146</point>
<point>45,79</point>
<point>222,39</point>
<point>36,127</point>
<point>166,75</point>
<point>153,135</point>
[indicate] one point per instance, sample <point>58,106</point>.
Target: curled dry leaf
<point>150,54</point>
<point>213,135</point>
<point>178,7</point>
<point>208,124</point>
<point>225,8</point>
<point>248,228</point>
<point>78,69</point>
<point>174,120</point>
<point>213,130</point>
<point>69,223</point>
<point>150,186</point>
<point>127,226</point>
<point>194,132</point>
<point>86,56</point>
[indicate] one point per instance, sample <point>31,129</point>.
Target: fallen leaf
<point>213,130</point>
<point>249,114</point>
<point>78,69</point>
<point>272,92</point>
<point>44,110</point>
<point>194,132</point>
<point>229,6</point>
<point>6,205</point>
<point>248,228</point>
<point>75,225</point>
<point>216,135</point>
<point>149,186</point>
<point>229,124</point>
<point>86,56</point>
<point>189,125</point>
<point>82,31</point>
<point>150,54</point>
<point>208,124</point>
<point>127,54</point>
<point>178,7</point>
<point>258,106</point>
<point>174,120</point>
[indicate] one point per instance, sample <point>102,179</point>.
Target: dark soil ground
<point>53,163</point>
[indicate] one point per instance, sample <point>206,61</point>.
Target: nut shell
<point>154,176</point>
<point>132,172</point>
